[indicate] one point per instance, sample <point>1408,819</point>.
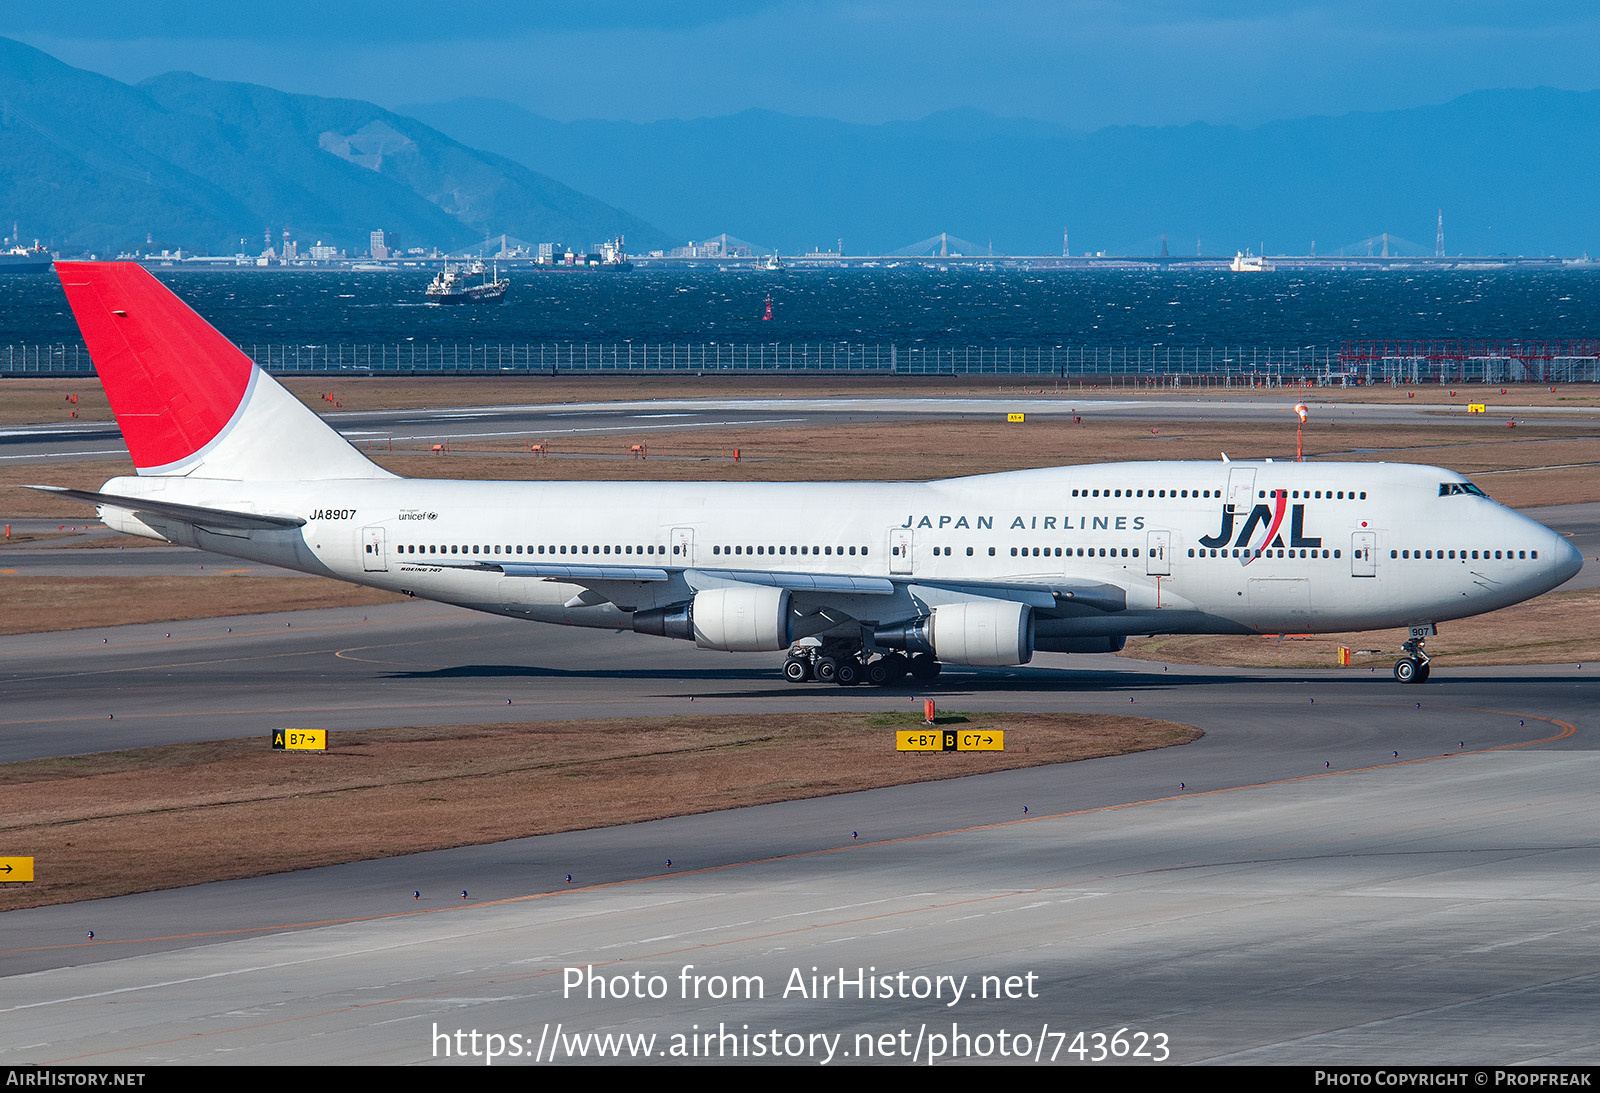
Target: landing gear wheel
<point>898,665</point>
<point>825,670</point>
<point>888,670</point>
<point>1413,667</point>
<point>797,669</point>
<point>925,669</point>
<point>848,673</point>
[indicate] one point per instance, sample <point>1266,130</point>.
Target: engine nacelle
<point>978,632</point>
<point>983,632</point>
<point>741,620</point>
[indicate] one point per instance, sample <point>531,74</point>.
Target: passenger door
<point>372,556</point>
<point>900,544</point>
<point>1241,489</point>
<point>1364,554</point>
<point>683,546</point>
<point>1157,562</point>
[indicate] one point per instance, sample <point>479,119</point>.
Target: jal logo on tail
<point>1269,518</point>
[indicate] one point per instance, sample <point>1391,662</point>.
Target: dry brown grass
<point>37,604</point>
<point>1556,628</point>
<point>35,401</point>
<point>104,542</point>
<point>107,824</point>
<point>17,503</point>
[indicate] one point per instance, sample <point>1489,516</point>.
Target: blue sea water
<point>876,307</point>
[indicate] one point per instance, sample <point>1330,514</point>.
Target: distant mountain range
<point>89,164</point>
<point>93,165</point>
<point>1513,171</point>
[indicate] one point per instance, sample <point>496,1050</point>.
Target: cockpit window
<point>1446,489</point>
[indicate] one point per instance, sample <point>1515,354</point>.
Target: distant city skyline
<point>1086,64</point>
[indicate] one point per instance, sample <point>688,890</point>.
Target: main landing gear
<point>843,664</point>
<point>1413,667</point>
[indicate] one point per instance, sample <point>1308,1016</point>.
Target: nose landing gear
<point>1413,667</point>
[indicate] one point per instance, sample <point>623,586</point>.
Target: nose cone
<point>1565,561</point>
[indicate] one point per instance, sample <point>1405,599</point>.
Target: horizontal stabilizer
<point>188,514</point>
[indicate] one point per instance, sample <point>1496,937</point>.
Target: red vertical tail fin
<point>188,401</point>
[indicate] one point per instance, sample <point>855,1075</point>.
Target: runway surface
<point>1286,889</point>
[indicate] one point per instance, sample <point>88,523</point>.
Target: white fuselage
<point>1141,548</point>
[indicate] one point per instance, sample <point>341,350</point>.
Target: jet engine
<point>741,619</point>
<point>976,632</point>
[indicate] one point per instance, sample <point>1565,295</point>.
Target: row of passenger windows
<point>1225,552</point>
<point>1067,552</point>
<point>1462,555</point>
<point>1024,552</point>
<point>508,549</point>
<point>1331,495</point>
<point>1317,495</point>
<point>812,551</point>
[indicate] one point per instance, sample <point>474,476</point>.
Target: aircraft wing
<point>586,574</point>
<point>197,515</point>
<point>1095,595</point>
<point>571,574</point>
<point>580,574</point>
<point>1044,596</point>
<point>805,582</point>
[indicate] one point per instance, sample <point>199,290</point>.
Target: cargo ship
<point>452,285</point>
<point>34,259</point>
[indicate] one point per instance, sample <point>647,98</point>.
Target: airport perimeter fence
<point>1543,362</point>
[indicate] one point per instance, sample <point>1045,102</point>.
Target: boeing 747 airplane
<point>858,581</point>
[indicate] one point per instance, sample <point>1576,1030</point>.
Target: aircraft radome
<point>858,581</point>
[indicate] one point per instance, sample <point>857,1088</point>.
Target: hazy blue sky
<point>1084,63</point>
